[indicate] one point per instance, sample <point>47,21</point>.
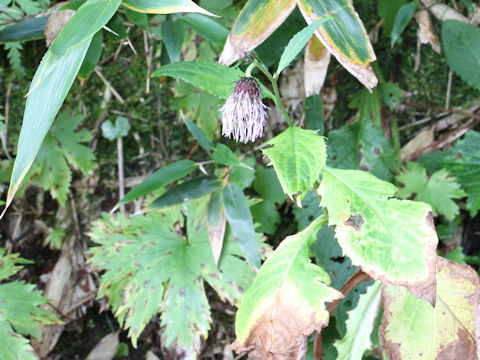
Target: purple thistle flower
<point>244,114</point>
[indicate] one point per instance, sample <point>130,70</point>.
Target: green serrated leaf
<point>298,156</point>
<point>360,324</point>
<point>19,306</point>
<point>438,190</point>
<point>463,162</point>
<point>462,50</point>
<point>9,264</point>
<point>368,227</point>
<point>278,301</point>
<point>70,141</point>
<point>214,78</point>
<point>14,346</point>
<point>152,265</point>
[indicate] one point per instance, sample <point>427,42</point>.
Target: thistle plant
<point>244,115</point>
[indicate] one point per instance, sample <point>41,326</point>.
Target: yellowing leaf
<point>413,329</point>
<point>255,23</point>
<point>392,240</point>
<point>286,302</point>
<point>344,36</point>
<point>164,6</point>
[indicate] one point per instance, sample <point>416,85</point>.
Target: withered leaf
<point>414,329</point>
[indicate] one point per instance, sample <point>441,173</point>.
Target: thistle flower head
<point>244,114</point>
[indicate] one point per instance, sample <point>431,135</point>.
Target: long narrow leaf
<point>30,29</point>
<point>165,6</point>
<point>255,23</point>
<point>53,80</point>
<point>297,43</point>
<point>344,36</point>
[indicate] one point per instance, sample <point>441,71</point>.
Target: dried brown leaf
<point>426,34</point>
<point>414,329</point>
<point>55,24</point>
<point>317,59</point>
<point>418,143</point>
<point>105,349</point>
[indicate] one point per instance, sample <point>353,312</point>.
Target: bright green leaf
<point>9,264</point>
<point>298,156</point>
<point>214,78</point>
<point>438,190</point>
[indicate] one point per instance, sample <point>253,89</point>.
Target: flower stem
<point>276,93</point>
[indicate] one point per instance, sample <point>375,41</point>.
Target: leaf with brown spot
<point>412,329</point>
<point>317,59</point>
<point>392,240</point>
<point>286,303</point>
<point>255,23</point>
<point>174,268</point>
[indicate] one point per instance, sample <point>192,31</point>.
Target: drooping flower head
<point>244,114</point>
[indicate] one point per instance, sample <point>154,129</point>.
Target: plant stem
<point>121,181</point>
<point>278,100</point>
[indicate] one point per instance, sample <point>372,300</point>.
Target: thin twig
<point>107,84</point>
<point>121,180</point>
<point>148,54</point>
<point>351,283</point>
<point>449,88</point>
<point>451,111</point>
